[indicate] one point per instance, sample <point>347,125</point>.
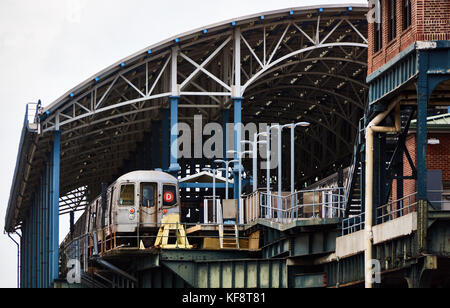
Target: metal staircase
<point>355,184</point>
<point>393,151</point>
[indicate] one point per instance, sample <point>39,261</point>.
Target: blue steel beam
<point>225,121</point>
<point>54,242</point>
<point>237,140</point>
<point>422,115</point>
<point>174,166</point>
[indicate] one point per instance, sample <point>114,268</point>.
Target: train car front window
<point>127,195</point>
<point>148,193</point>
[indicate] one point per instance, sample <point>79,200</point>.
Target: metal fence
<point>397,209</point>
<point>307,204</point>
<point>353,224</point>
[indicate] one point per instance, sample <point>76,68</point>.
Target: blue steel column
<point>33,244</point>
<point>237,141</point>
<point>225,121</point>
<point>22,259</point>
<point>39,235</point>
<point>46,228</point>
<point>174,166</point>
<point>54,208</point>
<point>422,114</point>
<point>165,140</point>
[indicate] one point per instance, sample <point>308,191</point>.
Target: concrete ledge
<point>349,245</point>
<point>393,229</point>
<point>353,244</point>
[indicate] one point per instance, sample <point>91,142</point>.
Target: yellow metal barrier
<point>172,223</point>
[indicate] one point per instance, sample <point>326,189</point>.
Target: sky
<point>48,47</point>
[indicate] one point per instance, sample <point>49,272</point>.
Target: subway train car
<point>133,206</point>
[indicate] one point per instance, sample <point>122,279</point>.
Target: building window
<point>392,11</point>
<point>378,29</point>
<point>406,14</point>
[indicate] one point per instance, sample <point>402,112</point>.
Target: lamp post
<point>280,129</point>
<point>213,171</point>
<point>240,155</point>
<point>254,145</point>
<point>293,127</point>
<point>226,169</point>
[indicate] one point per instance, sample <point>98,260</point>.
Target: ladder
<point>228,236</point>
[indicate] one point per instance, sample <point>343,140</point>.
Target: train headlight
<point>132,215</point>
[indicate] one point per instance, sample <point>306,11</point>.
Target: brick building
<point>408,64</point>
<point>404,22</point>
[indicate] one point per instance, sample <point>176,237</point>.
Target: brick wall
<point>430,21</point>
<point>438,158</point>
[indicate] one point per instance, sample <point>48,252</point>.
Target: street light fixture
<point>213,171</point>
<point>240,155</point>
<point>226,169</point>
<point>254,145</point>
<point>280,129</point>
<point>293,127</point>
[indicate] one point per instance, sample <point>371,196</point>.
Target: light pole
<point>213,171</point>
<point>240,155</point>
<point>280,129</point>
<point>254,145</point>
<point>293,127</point>
<point>226,169</point>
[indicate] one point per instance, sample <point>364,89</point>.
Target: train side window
<point>148,194</point>
<point>127,195</point>
<point>169,195</point>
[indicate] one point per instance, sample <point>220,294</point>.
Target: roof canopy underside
<point>295,65</point>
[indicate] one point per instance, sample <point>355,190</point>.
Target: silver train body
<point>138,199</point>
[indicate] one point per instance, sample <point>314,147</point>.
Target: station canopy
<point>301,64</point>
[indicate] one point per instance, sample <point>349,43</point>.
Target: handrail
<point>306,204</point>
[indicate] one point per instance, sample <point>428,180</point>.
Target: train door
<point>148,204</point>
<point>126,212</point>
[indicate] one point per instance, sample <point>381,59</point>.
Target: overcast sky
<point>49,46</point>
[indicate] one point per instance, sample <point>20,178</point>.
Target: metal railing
<point>396,209</point>
<point>353,224</point>
<point>99,242</point>
<point>439,199</point>
<point>388,212</point>
<point>307,204</point>
<point>31,116</point>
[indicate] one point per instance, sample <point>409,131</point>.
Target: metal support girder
<point>54,207</point>
<point>225,121</point>
<point>237,141</point>
<point>422,131</point>
<point>174,166</point>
